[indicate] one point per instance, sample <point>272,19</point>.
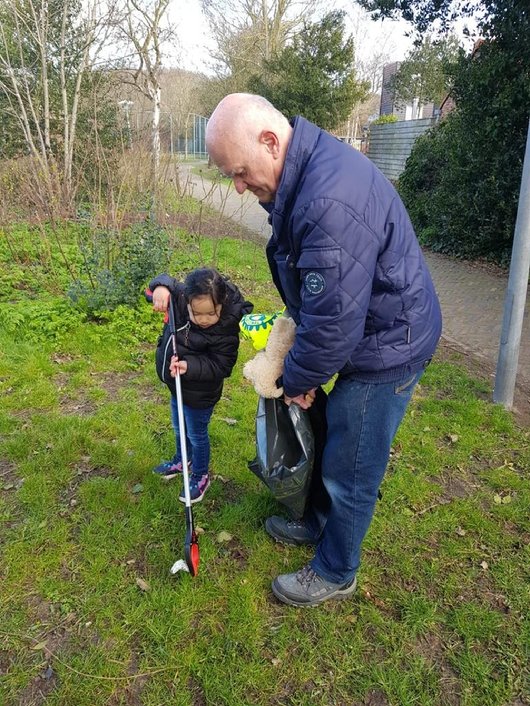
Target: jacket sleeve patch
<point>314,282</point>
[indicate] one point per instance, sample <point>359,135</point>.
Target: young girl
<point>208,308</point>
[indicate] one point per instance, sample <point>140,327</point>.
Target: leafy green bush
<point>462,199</point>
<point>419,186</point>
<point>313,74</point>
<point>117,265</point>
<point>385,119</point>
<point>462,180</point>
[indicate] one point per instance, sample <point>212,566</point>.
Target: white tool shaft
<point>182,437</point>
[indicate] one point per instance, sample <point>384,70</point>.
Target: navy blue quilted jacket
<point>345,259</point>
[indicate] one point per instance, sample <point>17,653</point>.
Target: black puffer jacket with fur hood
<point>211,353</point>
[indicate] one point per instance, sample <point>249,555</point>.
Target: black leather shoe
<point>289,531</point>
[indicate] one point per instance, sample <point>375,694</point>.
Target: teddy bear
<point>267,365</point>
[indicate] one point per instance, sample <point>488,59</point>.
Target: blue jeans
<point>362,420</point>
<point>197,439</point>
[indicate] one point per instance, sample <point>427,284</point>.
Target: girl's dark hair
<point>205,281</point>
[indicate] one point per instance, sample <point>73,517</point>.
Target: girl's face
<point>203,311</point>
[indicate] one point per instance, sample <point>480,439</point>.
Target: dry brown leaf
<point>143,585</point>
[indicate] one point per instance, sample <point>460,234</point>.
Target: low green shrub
<point>385,119</point>
<point>117,265</point>
<point>45,319</point>
<point>131,326</point>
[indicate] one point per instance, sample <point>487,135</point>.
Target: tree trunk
<point>155,136</point>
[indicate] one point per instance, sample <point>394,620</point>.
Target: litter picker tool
<point>191,544</point>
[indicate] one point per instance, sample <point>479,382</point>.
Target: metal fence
<point>191,142</point>
<point>182,134</point>
<point>391,144</point>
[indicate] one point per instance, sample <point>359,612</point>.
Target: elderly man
<point>347,264</point>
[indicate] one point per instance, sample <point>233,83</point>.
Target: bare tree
<point>46,49</point>
<point>371,56</point>
<point>182,92</point>
<point>249,32</point>
<point>422,76</point>
<point>146,29</point>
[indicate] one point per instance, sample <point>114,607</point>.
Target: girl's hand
<point>161,297</point>
<point>182,366</point>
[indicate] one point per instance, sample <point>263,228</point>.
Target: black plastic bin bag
<point>285,451</point>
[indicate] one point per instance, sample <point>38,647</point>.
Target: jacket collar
<point>303,141</point>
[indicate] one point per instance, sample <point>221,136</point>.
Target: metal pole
<point>171,134</point>
<point>186,140</point>
<point>515,301</point>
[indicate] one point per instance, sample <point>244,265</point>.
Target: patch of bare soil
<point>317,695</point>
<point>454,486</point>
<point>237,553</point>
<point>150,393</point>
<point>233,551</point>
<point>6,660</point>
<point>112,382</point>
<point>431,648</point>
<point>83,471</point>
<point>8,474</point>
<point>483,592</point>
<point>231,491</point>
<point>481,368</point>
<point>39,688</point>
<point>375,698</point>
<point>69,404</point>
<point>131,694</point>
<point>197,693</point>
<point>10,482</point>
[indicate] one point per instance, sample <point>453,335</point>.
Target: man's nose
<point>239,184</point>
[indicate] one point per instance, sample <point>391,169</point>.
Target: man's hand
<point>182,366</point>
<point>161,296</point>
<point>304,401</point>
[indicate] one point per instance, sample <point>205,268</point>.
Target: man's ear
<point>271,141</point>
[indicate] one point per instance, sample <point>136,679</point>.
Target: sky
<point>195,41</point>
<point>373,37</point>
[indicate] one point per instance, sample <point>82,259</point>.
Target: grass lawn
<point>90,613</point>
<point>211,174</point>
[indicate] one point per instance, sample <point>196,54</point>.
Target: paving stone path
<point>471,297</point>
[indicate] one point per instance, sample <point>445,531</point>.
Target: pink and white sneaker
<point>198,486</point>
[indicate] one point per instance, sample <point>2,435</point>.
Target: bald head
<point>242,115</point>
<point>247,138</point>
